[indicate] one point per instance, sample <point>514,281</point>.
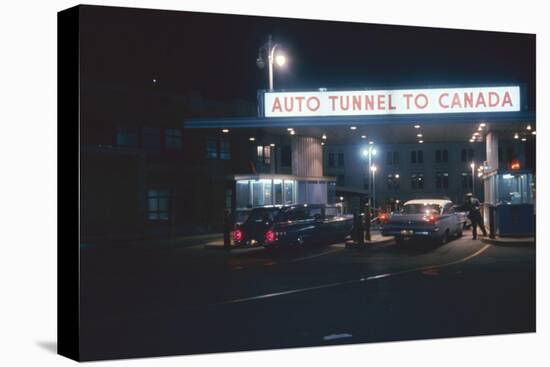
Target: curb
<point>527,242</point>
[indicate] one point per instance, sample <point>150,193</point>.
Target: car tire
<point>459,232</point>
<point>399,240</point>
<point>445,237</point>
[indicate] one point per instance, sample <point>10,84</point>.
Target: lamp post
<point>473,166</point>
<point>370,152</point>
<point>269,49</point>
<point>373,169</point>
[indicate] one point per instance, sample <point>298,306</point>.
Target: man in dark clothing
<point>471,205</point>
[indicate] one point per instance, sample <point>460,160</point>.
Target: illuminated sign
<point>391,102</point>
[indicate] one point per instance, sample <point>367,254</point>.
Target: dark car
<point>251,232</point>
<point>314,223</point>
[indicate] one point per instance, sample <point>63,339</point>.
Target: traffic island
<point>509,241</point>
<point>375,240</point>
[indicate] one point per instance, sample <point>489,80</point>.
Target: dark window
<point>466,180</point>
<point>470,155</point>
<point>212,148</point>
<point>413,156</point>
<point>438,156</point>
<point>442,180</point>
<point>420,156</point>
<point>126,136</point>
<point>395,157</point>
<point>172,138</point>
<point>389,158</point>
<point>417,181</point>
<point>340,159</point>
<point>151,137</point>
<point>444,156</point>
<point>463,155</point>
<point>286,156</point>
<point>392,182</point>
<point>225,150</point>
<point>157,204</point>
<point>331,159</point>
<point>340,180</point>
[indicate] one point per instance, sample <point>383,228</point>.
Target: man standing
<point>472,205</point>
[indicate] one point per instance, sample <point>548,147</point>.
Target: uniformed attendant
<point>472,205</point>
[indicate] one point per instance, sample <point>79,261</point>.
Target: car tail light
<point>238,235</point>
<point>383,218</point>
<point>270,236</point>
<point>432,219</point>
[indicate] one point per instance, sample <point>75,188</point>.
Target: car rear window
<point>291,214</point>
<point>262,215</point>
<point>421,209</point>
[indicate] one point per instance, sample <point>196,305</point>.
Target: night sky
<point>216,54</point>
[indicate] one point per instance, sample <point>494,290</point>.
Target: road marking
<point>360,280</point>
<point>336,336</point>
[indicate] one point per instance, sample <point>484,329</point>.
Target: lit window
<point>225,150</point>
<point>212,148</point>
<point>157,204</point>
<point>417,181</point>
<point>126,136</point>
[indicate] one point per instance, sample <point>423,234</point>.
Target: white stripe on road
<point>372,277</point>
<point>336,336</point>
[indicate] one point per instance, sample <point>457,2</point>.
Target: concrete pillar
<point>492,150</point>
<point>307,156</point>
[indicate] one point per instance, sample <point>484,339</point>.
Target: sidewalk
<point>156,243</point>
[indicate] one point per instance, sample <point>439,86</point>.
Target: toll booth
<point>265,190</point>
<point>510,202</point>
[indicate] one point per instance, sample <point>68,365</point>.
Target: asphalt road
<point>184,300</point>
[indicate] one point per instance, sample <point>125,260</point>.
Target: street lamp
<point>473,165</point>
<point>269,49</point>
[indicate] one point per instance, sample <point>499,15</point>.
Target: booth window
<point>126,136</point>
<point>341,159</point>
<point>466,180</point>
<point>157,204</point>
<point>417,181</point>
<point>172,138</point>
<point>263,153</point>
<point>442,180</point>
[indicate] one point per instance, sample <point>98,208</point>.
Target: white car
<point>424,218</point>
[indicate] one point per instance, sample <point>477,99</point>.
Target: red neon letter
<point>317,102</point>
<point>277,105</point>
<point>507,100</point>
<point>441,100</point>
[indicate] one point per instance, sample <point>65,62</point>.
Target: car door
<point>448,219</point>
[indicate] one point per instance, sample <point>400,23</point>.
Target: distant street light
<point>373,169</point>
<point>269,49</point>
